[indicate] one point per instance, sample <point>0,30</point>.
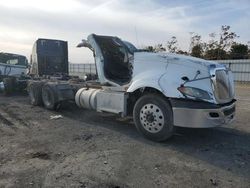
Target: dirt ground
<point>88,149</point>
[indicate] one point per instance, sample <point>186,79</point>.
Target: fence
<point>240,69</point>
<point>81,69</point>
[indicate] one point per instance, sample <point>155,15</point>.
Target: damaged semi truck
<point>159,90</point>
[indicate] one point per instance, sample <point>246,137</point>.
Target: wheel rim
<point>151,118</point>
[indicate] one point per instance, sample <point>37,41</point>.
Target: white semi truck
<point>159,90</point>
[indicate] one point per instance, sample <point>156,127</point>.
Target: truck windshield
<point>13,59</point>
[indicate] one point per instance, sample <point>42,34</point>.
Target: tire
<point>49,97</point>
<point>153,117</point>
<point>35,93</point>
<point>9,84</point>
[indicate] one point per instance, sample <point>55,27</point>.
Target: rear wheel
<point>49,97</point>
<point>153,117</point>
<point>35,93</point>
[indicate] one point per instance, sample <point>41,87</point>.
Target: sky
<point>144,22</point>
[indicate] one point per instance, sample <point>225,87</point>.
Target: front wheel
<point>153,117</point>
<point>9,85</point>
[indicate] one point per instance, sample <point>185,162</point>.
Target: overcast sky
<point>144,22</point>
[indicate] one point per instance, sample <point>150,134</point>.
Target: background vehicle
<point>159,90</point>
<point>50,84</point>
<point>13,72</point>
<point>49,57</point>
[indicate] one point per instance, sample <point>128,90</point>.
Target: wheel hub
<point>151,118</point>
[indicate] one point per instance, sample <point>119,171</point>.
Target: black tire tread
<point>35,90</point>
<point>9,84</point>
<point>162,102</point>
<point>50,104</point>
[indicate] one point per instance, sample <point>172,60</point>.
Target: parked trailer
<point>159,90</point>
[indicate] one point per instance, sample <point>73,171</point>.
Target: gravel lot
<point>89,149</point>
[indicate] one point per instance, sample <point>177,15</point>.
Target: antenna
<point>190,45</point>
<point>136,36</point>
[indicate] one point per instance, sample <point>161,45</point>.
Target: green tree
<point>182,52</point>
<point>220,49</point>
<point>227,38</point>
<point>248,45</point>
<point>238,51</point>
<point>197,46</point>
<point>156,48</point>
<point>195,40</point>
<point>172,45</point>
<point>197,51</point>
<point>216,54</point>
<point>149,48</point>
<point>212,42</point>
<point>159,48</point>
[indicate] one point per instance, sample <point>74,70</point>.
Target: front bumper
<point>195,114</point>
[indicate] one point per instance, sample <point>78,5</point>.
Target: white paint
<point>12,70</point>
<point>163,71</point>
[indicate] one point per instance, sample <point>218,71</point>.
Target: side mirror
<point>84,43</point>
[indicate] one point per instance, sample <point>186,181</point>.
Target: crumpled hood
<point>164,57</point>
<point>164,71</point>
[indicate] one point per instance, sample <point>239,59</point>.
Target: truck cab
<point>13,72</point>
<point>160,90</point>
<point>12,64</point>
<point>49,57</point>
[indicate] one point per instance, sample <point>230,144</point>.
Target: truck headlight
<point>194,93</point>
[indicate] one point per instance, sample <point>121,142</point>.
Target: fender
<point>147,79</point>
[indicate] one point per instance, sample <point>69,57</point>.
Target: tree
<point>156,48</point>
<point>195,40</point>
<point>248,45</point>
<point>226,38</point>
<point>239,51</point>
<point>197,51</point>
<point>219,49</point>
<point>149,49</point>
<point>215,54</point>
<point>182,52</point>
<point>212,42</point>
<point>196,45</point>
<point>172,45</point>
<point>159,48</point>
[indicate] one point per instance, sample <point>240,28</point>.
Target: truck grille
<point>223,86</point>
